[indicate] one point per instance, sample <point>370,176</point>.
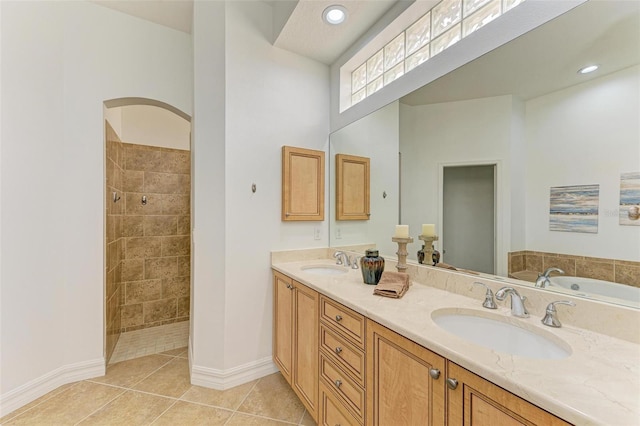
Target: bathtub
<point>599,287</point>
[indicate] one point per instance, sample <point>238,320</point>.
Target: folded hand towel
<point>446,266</point>
<point>392,284</point>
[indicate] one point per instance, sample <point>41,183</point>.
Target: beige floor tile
<point>176,352</point>
<point>131,408</point>
<point>185,414</point>
<point>230,398</point>
<point>240,419</point>
<point>128,373</point>
<point>35,402</point>
<point>307,420</point>
<point>69,406</point>
<point>272,397</point>
<point>171,380</point>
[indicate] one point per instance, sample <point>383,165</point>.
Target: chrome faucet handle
<point>517,302</point>
<point>489,302</point>
<point>355,260</point>
<point>550,318</point>
<point>338,255</point>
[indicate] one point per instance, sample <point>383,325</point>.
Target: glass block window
<point>444,25</point>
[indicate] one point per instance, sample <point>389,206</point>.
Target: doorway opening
<point>147,228</point>
<point>468,212</point>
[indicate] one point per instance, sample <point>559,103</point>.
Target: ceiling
<point>301,29</point>
<point>547,58</point>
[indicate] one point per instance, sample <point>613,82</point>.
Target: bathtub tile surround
<point>114,237</point>
<point>619,271</point>
<point>156,236</point>
<point>599,380</point>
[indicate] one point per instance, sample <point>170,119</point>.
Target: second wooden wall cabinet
<point>366,374</point>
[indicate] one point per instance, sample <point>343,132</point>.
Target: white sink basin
<point>325,269</point>
<point>501,334</point>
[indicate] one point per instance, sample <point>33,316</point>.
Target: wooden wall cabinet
<point>352,187</point>
<point>302,184</point>
<point>295,338</point>
<point>405,381</point>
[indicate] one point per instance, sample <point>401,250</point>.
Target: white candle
<point>429,230</point>
<point>402,231</point>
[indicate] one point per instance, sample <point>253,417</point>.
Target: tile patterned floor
<point>154,340</point>
<point>155,390</point>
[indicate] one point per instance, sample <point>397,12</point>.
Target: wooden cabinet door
<point>305,347</point>
<point>477,402</point>
<point>400,386</point>
<point>352,187</point>
<point>302,184</point>
<point>283,324</point>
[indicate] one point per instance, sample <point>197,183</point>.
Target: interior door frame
<point>500,231</point>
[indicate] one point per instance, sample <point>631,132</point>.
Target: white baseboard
<point>226,379</point>
<point>42,385</point>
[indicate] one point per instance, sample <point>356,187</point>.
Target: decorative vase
<point>435,256</point>
<point>371,266</point>
<point>421,255</point>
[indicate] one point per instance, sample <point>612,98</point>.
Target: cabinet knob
<point>289,286</point>
<point>434,373</point>
<point>452,383</point>
<point>338,383</point>
<point>338,317</point>
<point>338,349</point>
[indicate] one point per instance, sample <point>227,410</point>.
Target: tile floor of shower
<point>147,382</point>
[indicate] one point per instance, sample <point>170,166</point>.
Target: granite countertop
<point>598,384</point>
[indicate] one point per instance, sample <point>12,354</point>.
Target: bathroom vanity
<point>355,358</point>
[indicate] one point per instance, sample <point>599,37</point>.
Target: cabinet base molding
<point>226,379</point>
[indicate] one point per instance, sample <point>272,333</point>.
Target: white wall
<point>376,136</point>
<point>274,98</point>
<point>586,134</point>
<point>154,126</point>
<point>60,61</point>
<point>469,132</point>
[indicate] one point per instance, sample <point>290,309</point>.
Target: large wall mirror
<point>482,152</point>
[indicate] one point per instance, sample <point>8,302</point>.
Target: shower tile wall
<point>157,242</point>
<point>114,241</point>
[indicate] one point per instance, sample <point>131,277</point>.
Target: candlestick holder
<point>425,255</point>
<point>402,252</point>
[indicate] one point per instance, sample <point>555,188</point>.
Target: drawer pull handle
<point>338,383</point>
<point>434,373</point>
<point>289,286</point>
<point>338,349</point>
<point>452,383</point>
<point>338,318</point>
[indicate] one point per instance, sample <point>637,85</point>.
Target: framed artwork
<point>630,199</point>
<point>574,208</point>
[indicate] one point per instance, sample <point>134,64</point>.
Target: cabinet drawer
<point>348,322</point>
<point>346,355</point>
<point>349,392</point>
<point>332,412</point>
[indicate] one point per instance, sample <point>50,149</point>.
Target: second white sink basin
<point>325,269</point>
<point>500,334</point>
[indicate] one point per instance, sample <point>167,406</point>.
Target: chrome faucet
<point>342,258</point>
<point>517,301</point>
<point>543,279</point>
<point>550,318</point>
<point>355,261</point>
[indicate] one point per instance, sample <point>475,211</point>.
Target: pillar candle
<point>429,230</point>
<point>402,231</point>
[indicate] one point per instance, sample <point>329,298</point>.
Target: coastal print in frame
<point>574,208</point>
<point>630,199</point>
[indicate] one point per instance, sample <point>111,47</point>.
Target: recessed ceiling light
<point>587,70</point>
<point>335,14</point>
